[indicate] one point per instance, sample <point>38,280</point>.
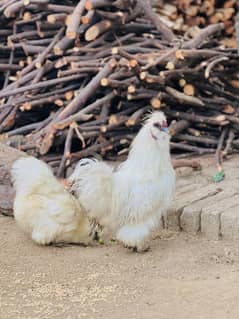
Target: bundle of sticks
<point>77,79</point>
<point>188,15</point>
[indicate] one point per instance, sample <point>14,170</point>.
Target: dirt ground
<point>181,277</point>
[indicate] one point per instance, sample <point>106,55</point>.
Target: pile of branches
<point>78,78</point>
<point>188,15</point>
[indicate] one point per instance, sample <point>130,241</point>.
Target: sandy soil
<point>181,277</point>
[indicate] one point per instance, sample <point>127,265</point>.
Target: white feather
<point>43,208</point>
<point>131,200</point>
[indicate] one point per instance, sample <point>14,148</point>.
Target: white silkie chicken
<point>44,209</point>
<point>131,200</point>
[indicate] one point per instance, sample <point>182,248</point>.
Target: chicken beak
<point>165,129</point>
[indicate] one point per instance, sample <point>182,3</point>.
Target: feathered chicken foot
<point>138,249</point>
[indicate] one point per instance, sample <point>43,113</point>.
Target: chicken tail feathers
<point>28,172</point>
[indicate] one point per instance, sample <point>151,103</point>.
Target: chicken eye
<point>157,125</point>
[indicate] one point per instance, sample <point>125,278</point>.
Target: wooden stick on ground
<point>186,163</point>
<point>218,154</point>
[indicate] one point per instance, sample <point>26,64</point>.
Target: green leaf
<point>219,176</point>
<point>100,241</point>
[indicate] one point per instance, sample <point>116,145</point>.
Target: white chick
<point>44,209</point>
<point>131,200</point>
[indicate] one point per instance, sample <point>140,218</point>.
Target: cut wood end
<point>113,120</point>
<point>150,60</point>
<point>104,82</point>
<point>8,14</point>
<point>143,75</point>
<point>27,16</point>
<point>103,128</point>
<point>74,125</point>
<point>88,5</point>
<point>131,89</point>
<point>71,34</point>
<point>51,19</point>
<point>15,78</point>
<point>220,118</point>
<point>124,141</point>
<point>38,65</point>
<point>207,73</point>
<point>92,33</point>
<point>69,95</point>
<point>59,102</point>
<point>156,103</point>
<point>9,43</point>
<point>76,49</point>
<point>57,51</point>
<point>234,83</point>
<point>68,20</point>
<point>29,60</point>
<point>107,23</point>
<point>179,55</point>
<point>194,132</point>
<point>21,63</point>
<point>76,92</point>
<point>85,20</point>
<point>228,109</point>
<point>68,159</point>
<point>130,122</point>
<point>120,14</point>
<point>182,82</point>
<point>170,66</point>
<point>189,89</point>
<point>114,50</point>
<point>133,63</point>
<point>60,63</point>
<point>26,107</point>
<point>113,63</point>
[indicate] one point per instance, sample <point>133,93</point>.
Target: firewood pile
<point>187,15</point>
<point>77,77</point>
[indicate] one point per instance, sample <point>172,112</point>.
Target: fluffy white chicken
<point>44,209</point>
<point>131,200</point>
